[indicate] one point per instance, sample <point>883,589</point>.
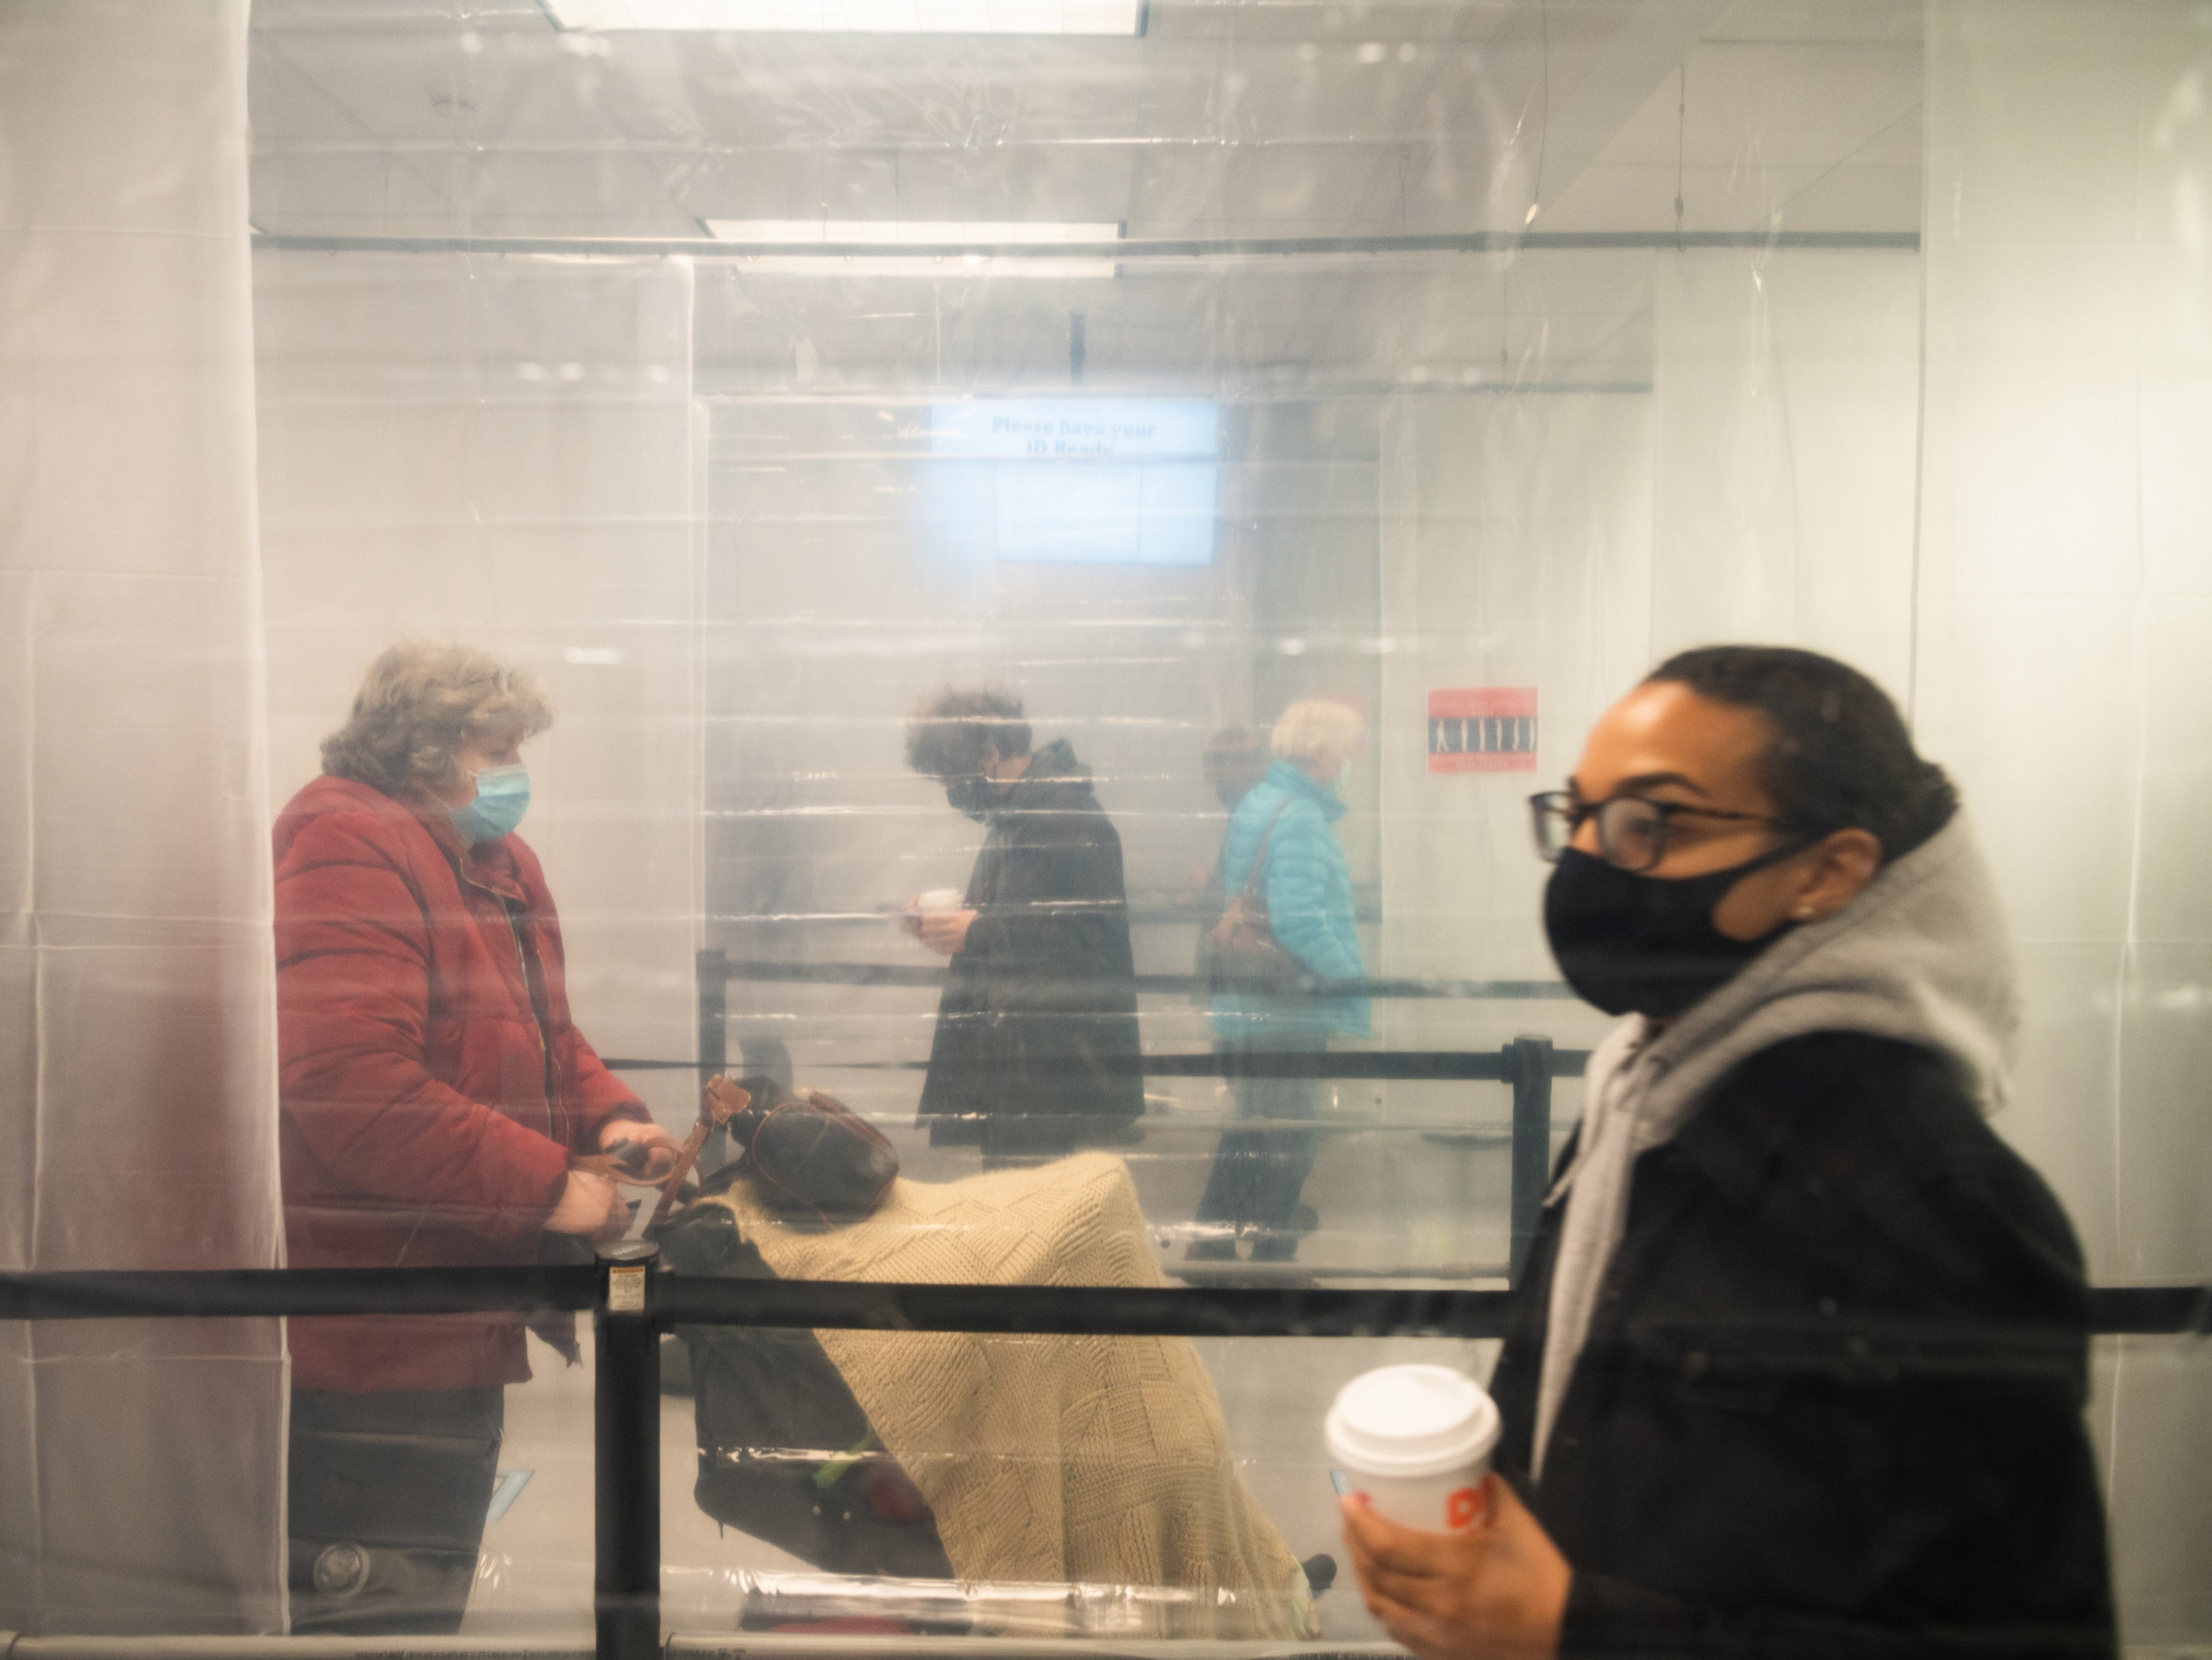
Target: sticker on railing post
<point>626,1288</point>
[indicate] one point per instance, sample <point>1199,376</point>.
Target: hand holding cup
<point>939,920</point>
<point>1415,1441</point>
<point>1446,1555</point>
<point>1498,1591</point>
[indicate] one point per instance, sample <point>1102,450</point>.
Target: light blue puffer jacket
<point>1308,890</point>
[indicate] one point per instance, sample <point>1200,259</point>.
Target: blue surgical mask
<point>502,797</point>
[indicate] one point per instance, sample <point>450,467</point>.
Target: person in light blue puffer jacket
<point>1258,1173</point>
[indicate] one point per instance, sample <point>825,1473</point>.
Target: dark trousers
<point>1258,1173</point>
<point>388,1493</point>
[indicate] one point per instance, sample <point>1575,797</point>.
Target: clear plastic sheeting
<point>1122,1612</point>
<point>141,1463</point>
<point>954,506</point>
<point>814,1510</point>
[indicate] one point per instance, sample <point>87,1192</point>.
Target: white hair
<point>1317,725</point>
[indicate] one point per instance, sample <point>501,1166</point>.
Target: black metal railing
<point>632,1303</point>
<point>718,966</point>
<point>1529,1064</point>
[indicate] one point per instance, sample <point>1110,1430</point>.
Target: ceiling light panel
<point>970,236</point>
<point>1108,17</point>
<point>910,232</point>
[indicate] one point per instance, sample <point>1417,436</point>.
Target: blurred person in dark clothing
<point>1235,760</point>
<point>1797,1361</point>
<point>1035,1051</point>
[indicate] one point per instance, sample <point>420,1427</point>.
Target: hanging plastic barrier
<point>1031,729</point>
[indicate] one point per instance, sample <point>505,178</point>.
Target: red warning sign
<point>1483,729</point>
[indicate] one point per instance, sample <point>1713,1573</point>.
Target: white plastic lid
<point>1411,1420</point>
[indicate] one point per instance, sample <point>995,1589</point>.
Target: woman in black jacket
<point>1797,1363</point>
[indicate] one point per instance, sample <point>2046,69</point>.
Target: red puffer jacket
<point>423,1123</point>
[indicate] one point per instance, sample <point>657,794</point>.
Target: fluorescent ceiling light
<point>857,16</point>
<point>908,233</point>
<point>961,234</point>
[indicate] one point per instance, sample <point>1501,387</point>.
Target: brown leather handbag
<point>1240,952</point>
<point>813,1158</point>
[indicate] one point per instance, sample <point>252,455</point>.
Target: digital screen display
<point>1079,480</point>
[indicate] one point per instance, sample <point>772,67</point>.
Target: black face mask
<point>974,796</point>
<point>1627,941</point>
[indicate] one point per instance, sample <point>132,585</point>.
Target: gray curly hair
<point>419,702</point>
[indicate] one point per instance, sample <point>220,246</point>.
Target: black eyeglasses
<point>1631,831</point>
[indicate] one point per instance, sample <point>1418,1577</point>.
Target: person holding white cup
<point>1766,1385</point>
<point>1035,1051</point>
<point>938,919</point>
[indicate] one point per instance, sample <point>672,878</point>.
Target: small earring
<point>1803,913</point>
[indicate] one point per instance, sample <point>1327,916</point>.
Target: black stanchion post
<point>626,1467</point>
<point>1528,1063</point>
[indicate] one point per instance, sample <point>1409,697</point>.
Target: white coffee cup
<point>938,899</point>
<point>1415,1441</point>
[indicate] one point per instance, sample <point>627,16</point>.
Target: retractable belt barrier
<point>632,1303</point>
<point>1417,1066</point>
<point>1527,1063</point>
<point>717,968</point>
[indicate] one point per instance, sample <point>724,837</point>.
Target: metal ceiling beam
<point>1129,252</point>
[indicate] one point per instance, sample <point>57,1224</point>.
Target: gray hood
<point>1922,956</point>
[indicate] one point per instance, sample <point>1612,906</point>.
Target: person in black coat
<point>1796,1362</point>
<point>1035,1051</point>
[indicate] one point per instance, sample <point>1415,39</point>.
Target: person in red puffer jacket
<point>434,1090</point>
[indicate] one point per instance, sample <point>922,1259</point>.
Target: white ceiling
<point>1227,118</point>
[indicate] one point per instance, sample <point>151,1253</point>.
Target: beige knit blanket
<point>1095,1460</point>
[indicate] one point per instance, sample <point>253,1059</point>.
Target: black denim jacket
<point>1036,1051</point>
<point>1831,1401</point>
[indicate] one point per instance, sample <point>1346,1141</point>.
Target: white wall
<point>1516,551</point>
<point>1787,385</point>
<point>1762,488</point>
<point>502,452</point>
<point>2066,660</point>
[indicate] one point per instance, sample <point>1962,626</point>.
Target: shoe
<point>1281,1244</point>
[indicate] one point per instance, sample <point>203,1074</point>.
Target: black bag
<point>812,1158</point>
<point>1240,952</point>
<point>811,1155</point>
<point>785,1452</point>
